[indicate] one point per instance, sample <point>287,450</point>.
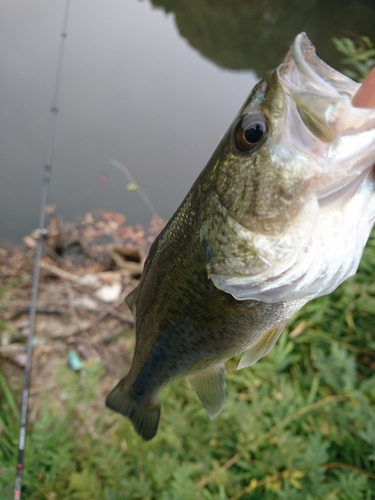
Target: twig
<point>25,310</point>
<point>65,275</point>
<point>12,349</point>
<point>70,296</point>
<point>254,483</point>
<point>125,318</point>
<point>84,336</point>
<point>108,338</point>
<point>346,345</point>
<point>339,465</point>
<point>109,310</point>
<point>133,185</point>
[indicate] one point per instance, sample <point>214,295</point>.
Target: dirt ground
<point>87,269</point>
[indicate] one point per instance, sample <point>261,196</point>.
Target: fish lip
<point>321,97</point>
<point>322,92</point>
<point>303,68</point>
<point>343,192</point>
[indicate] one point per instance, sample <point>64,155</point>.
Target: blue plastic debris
<point>75,362</point>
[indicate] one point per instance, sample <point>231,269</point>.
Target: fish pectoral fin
<point>262,347</point>
<point>209,385</point>
<point>144,415</point>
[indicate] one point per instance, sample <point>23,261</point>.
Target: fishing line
<point>38,254</point>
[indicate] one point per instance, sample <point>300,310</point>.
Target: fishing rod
<point>41,231</point>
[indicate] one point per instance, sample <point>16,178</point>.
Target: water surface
<point>152,85</point>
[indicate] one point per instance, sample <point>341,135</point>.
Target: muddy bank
<point>87,270</point>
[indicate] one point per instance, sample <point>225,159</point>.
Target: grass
<point>298,425</point>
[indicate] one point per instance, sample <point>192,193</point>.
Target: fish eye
<point>250,131</point>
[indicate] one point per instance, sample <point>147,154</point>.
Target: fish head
<point>287,200</point>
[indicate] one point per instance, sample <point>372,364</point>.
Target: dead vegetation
<point>87,270</point>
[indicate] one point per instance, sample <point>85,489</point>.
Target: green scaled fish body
<point>247,247</point>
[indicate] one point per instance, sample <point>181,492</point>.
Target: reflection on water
<point>255,34</point>
<point>133,90</point>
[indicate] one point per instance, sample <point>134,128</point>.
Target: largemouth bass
<point>280,215</point>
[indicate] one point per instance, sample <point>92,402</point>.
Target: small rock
<point>5,338</point>
<point>85,302</point>
<point>111,288</point>
<point>20,359</point>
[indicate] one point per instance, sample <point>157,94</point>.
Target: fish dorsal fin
<point>130,299</point>
<point>262,347</point>
<point>209,386</point>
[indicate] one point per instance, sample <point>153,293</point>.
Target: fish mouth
<point>321,98</point>
<point>322,94</point>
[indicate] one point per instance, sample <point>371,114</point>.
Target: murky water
<point>151,85</point>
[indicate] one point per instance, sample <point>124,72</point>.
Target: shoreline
<point>87,269</point>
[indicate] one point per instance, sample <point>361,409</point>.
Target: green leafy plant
<point>3,292</point>
<point>9,421</point>
<point>299,424</point>
<point>359,56</point>
<point>133,186</point>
